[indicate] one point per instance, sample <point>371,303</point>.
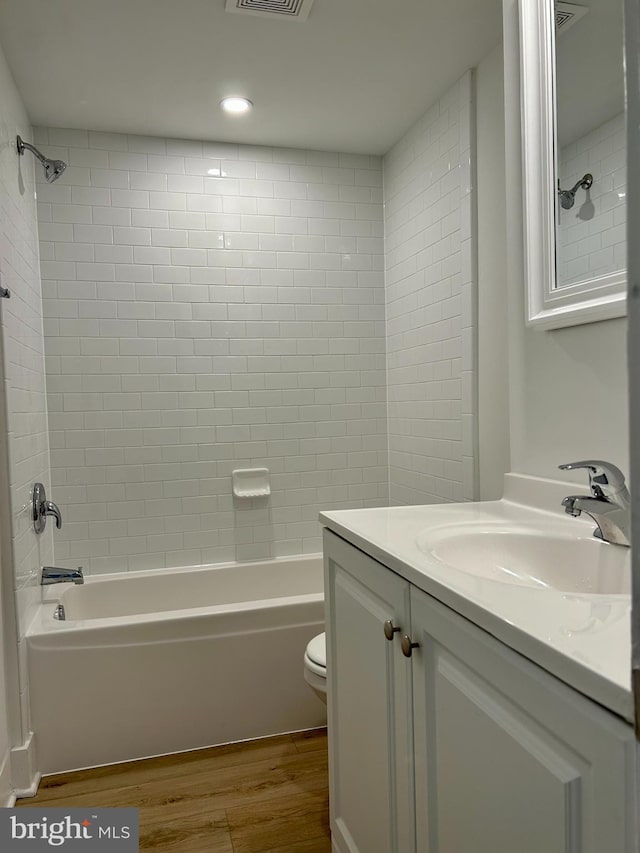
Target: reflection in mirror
<point>590,143</point>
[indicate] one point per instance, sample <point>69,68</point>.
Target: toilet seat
<point>311,666</point>
<point>315,655</point>
<point>315,665</point>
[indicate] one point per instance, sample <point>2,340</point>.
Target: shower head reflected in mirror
<point>52,168</point>
<point>568,197</point>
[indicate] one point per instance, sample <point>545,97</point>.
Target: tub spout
<point>51,574</point>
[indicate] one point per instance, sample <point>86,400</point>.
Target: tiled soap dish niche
<point>251,483</point>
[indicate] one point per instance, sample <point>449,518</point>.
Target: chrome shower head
<point>568,197</point>
<point>52,168</point>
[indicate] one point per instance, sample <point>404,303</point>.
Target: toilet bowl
<point>315,666</point>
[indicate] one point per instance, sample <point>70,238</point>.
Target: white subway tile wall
<point>209,307</point>
<point>23,350</point>
<point>430,295</point>
<point>27,446</point>
<point>592,234</point>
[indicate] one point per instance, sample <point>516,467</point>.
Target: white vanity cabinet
<point>369,706</point>
<point>466,746</point>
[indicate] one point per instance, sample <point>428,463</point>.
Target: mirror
<point>574,160</point>
<point>591,143</point>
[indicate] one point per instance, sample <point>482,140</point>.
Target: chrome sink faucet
<point>51,574</point>
<point>609,503</point>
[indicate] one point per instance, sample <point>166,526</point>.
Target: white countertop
<point>583,639</point>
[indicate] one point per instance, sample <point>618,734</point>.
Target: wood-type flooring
<point>262,796</point>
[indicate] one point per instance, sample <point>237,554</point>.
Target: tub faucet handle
<point>50,508</point>
<point>41,508</point>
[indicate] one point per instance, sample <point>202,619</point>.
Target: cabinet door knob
<point>390,629</point>
<point>408,646</point>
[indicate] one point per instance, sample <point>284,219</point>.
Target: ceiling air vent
<point>293,10</point>
<point>568,14</point>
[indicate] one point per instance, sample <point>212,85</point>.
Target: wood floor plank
<point>310,740</point>
<point>314,845</point>
<point>287,821</point>
<point>130,773</point>
<point>200,833</point>
<point>264,796</point>
<point>222,789</point>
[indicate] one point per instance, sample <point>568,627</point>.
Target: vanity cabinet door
<point>508,758</point>
<point>369,704</point>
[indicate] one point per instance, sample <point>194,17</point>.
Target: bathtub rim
<point>43,622</point>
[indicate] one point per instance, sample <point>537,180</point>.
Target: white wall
<point>493,366</point>
<point>23,410</point>
<point>23,351</point>
<point>209,307</point>
<point>567,388</point>
<point>430,266</point>
<point>572,388</point>
<point>5,722</point>
<point>592,235</point>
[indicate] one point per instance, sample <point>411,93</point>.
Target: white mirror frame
<point>549,307</point>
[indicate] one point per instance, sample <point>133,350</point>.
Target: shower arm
<point>586,182</point>
<point>22,145</point>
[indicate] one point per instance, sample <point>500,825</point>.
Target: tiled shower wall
<point>209,307</point>
<point>592,234</point>
<point>23,351</point>
<point>430,294</point>
<point>24,455</point>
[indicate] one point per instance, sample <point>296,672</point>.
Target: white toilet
<point>315,666</point>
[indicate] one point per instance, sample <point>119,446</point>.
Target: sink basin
<point>544,559</point>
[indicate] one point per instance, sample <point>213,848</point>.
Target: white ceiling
<point>353,77</point>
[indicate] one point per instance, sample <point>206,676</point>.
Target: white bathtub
<point>162,661</point>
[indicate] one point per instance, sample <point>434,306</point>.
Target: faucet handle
<point>52,509</point>
<point>600,474</point>
<point>41,508</point>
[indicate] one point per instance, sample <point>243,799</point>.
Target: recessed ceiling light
<point>236,105</point>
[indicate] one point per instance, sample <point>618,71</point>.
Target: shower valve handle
<point>52,509</point>
<point>41,508</point>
